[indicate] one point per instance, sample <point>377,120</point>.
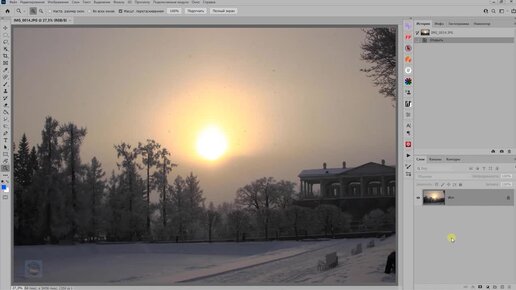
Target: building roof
<point>370,168</point>
<point>323,172</point>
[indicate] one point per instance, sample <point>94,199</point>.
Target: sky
<point>286,99</point>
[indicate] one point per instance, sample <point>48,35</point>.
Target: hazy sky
<point>287,98</point>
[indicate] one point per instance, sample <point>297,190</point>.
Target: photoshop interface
<point>161,144</point>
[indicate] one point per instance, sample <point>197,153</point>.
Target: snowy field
<point>252,263</point>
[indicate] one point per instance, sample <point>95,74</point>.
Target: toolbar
<point>5,113</point>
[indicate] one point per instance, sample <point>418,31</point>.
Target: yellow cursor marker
<point>452,238</point>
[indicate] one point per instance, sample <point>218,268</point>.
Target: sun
<point>211,143</point>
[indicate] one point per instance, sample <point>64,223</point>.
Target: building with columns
<point>353,189</point>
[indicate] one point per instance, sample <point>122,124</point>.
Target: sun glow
<point>211,143</point>
<point>190,111</point>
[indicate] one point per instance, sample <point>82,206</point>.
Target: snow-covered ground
<point>365,268</point>
<point>277,262</point>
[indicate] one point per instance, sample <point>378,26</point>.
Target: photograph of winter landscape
<point>204,156</point>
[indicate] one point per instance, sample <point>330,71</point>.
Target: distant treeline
<point>58,198</point>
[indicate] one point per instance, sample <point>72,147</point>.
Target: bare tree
<point>260,195</point>
<point>212,218</point>
<point>379,50</point>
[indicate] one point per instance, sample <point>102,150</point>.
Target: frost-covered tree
<point>286,193</point>
<point>131,188</point>
<point>186,201</point>
<point>330,218</point>
<point>25,206</point>
<point>222,227</point>
<point>179,205</point>
<point>238,222</point>
<point>115,208</point>
<point>298,219</point>
<point>95,188</point>
<point>33,161</point>
<point>149,152</point>
<point>164,167</point>
<point>260,196</point>
<point>22,170</point>
<point>129,170</point>
<point>21,159</point>
<point>257,194</point>
<point>72,138</point>
<point>390,218</point>
<point>212,218</point>
<point>375,219</point>
<point>194,203</point>
<point>52,224</point>
<point>48,150</point>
